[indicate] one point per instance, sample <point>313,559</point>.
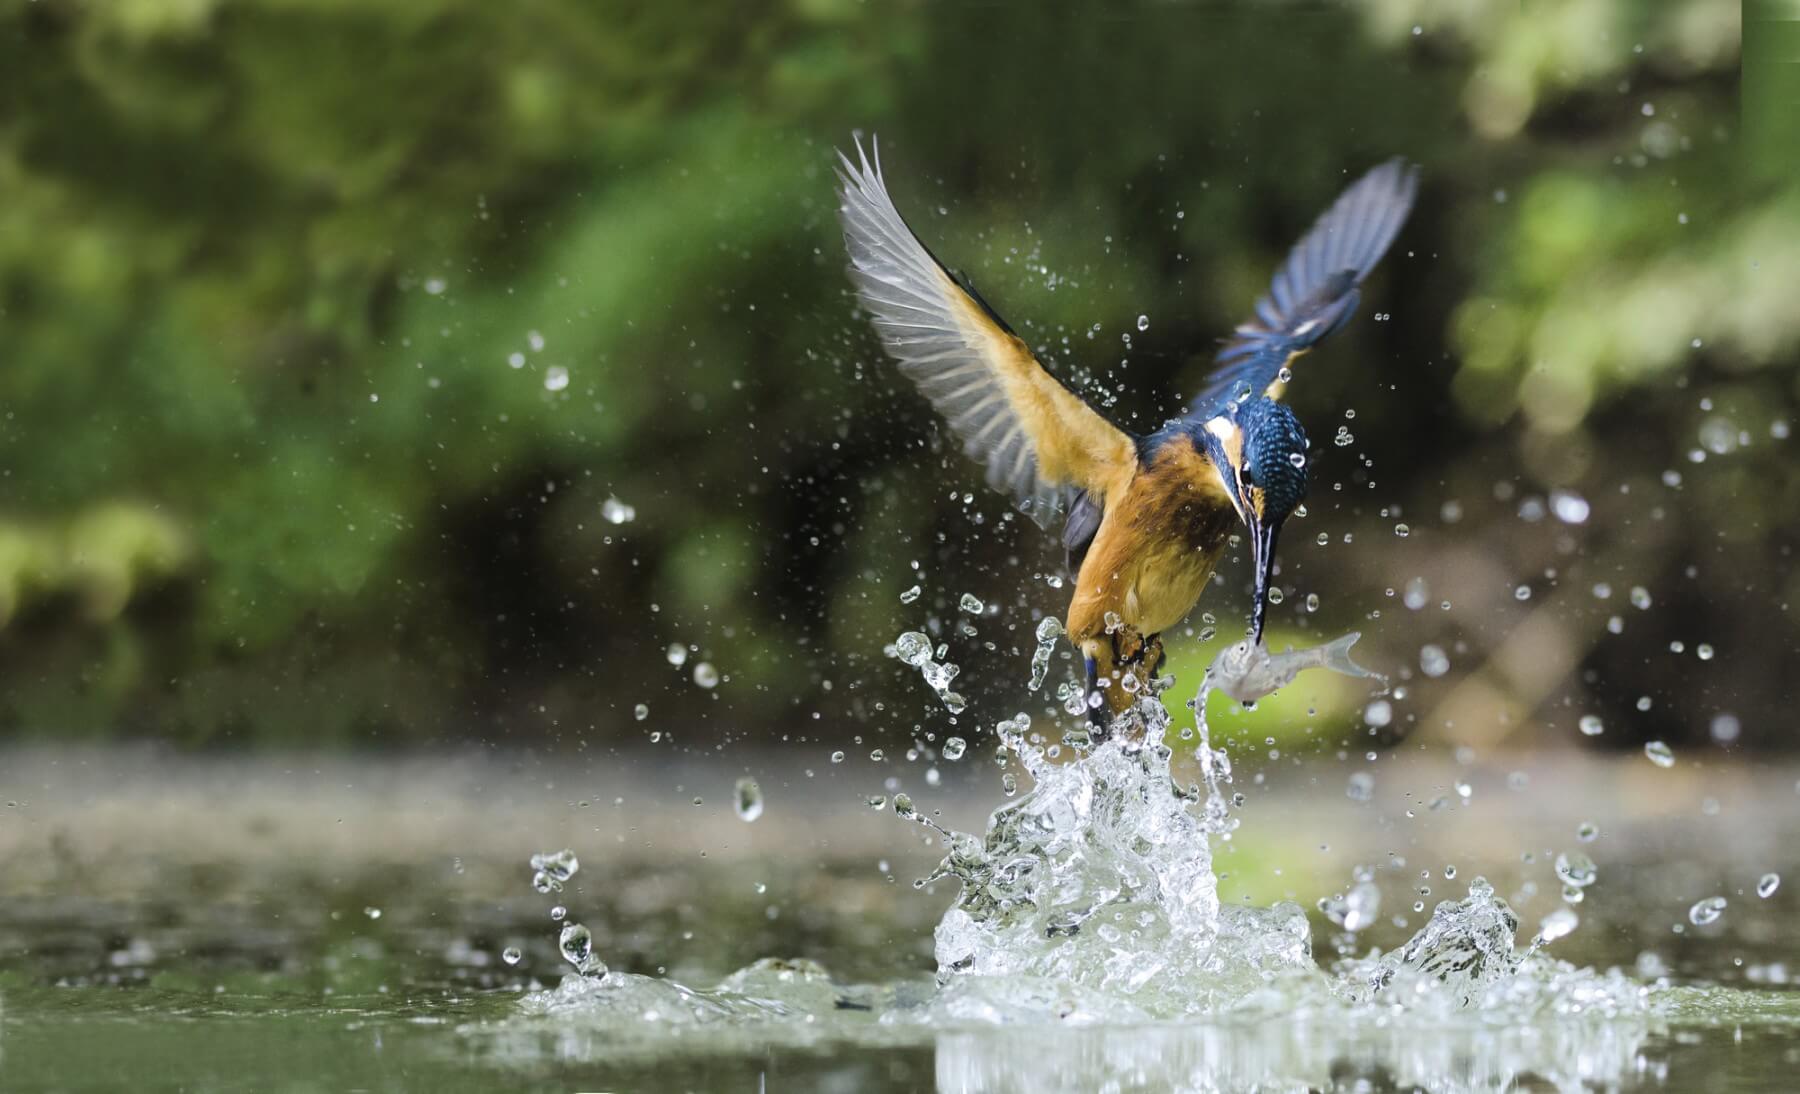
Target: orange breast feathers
<point>1157,545</point>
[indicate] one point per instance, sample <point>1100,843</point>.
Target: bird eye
<point>1247,476</point>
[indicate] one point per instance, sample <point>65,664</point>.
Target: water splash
<point>1091,900</point>
<point>553,868</point>
<point>914,648</point>
<point>1049,629</point>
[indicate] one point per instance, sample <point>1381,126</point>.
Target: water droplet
<point>559,913</point>
<point>556,377</point>
<point>1591,725</point>
<point>1640,597</point>
<point>903,807</point>
<point>1725,728</point>
<point>913,647</point>
<point>749,799</point>
<point>1766,886</point>
<point>1276,596</point>
<point>512,955</point>
<point>641,711</point>
<point>1719,436</point>
<point>1558,924</point>
<point>837,757</point>
<point>1587,832</point>
<point>706,675</point>
<point>553,868</point>
<point>577,945</point>
<point>910,595</point>
<point>1143,322</point>
<point>1361,786</point>
<point>1402,531</point>
<point>1416,594</point>
<point>1323,538</point>
<point>1312,602</point>
<point>1703,651</point>
<point>1361,904</point>
<point>971,603</point>
<point>535,341</point>
<point>1569,507</point>
<point>1706,911</point>
<point>435,286</point>
<point>1660,754</point>
<point>954,748</point>
<point>877,755</point>
<point>1523,592</point>
<point>1433,661</point>
<point>1049,629</point>
<point>615,511</point>
<point>678,654</point>
<point>1009,784</point>
<point>1379,713</point>
<point>1576,869</point>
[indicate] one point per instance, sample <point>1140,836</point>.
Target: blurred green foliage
<point>329,332</point>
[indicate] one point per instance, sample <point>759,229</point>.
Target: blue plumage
<point>1315,291</point>
<point>1148,519</point>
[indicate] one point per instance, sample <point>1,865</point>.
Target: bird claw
<point>1152,654</point>
<point>1127,643</point>
<point>1130,647</point>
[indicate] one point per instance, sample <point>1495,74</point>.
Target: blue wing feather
<point>1314,293</point>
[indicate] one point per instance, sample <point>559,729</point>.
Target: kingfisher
<point>1145,519</point>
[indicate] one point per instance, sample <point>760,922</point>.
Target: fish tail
<point>1337,656</point>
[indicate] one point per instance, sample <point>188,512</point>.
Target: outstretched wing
<point>1039,441</point>
<point>1315,291</point>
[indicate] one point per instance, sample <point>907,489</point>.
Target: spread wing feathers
<point>1038,440</point>
<point>1315,291</point>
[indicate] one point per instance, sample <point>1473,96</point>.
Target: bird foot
<point>1130,647</point>
<point>1127,643</point>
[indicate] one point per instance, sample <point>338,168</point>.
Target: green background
<point>268,473</point>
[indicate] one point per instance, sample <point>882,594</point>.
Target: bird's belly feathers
<point>1148,564</point>
<point>1169,577</point>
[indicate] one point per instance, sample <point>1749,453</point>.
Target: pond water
<point>305,923</point>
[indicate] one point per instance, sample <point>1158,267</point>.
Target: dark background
<point>269,474</point>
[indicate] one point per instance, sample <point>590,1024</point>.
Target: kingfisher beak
<point>1262,551</point>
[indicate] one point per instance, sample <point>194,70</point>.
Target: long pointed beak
<point>1262,550</point>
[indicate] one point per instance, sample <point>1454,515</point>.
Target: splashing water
<point>1100,878</point>
<point>1049,629</point>
<point>552,869</point>
<point>914,648</point>
<point>1091,900</point>
<point>748,799</point>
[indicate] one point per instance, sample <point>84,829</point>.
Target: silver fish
<point>1248,672</point>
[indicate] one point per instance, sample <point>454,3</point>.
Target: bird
<point>1145,519</point>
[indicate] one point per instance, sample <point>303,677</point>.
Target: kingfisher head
<point>1259,451</point>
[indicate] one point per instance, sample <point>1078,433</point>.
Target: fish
<point>1247,671</point>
